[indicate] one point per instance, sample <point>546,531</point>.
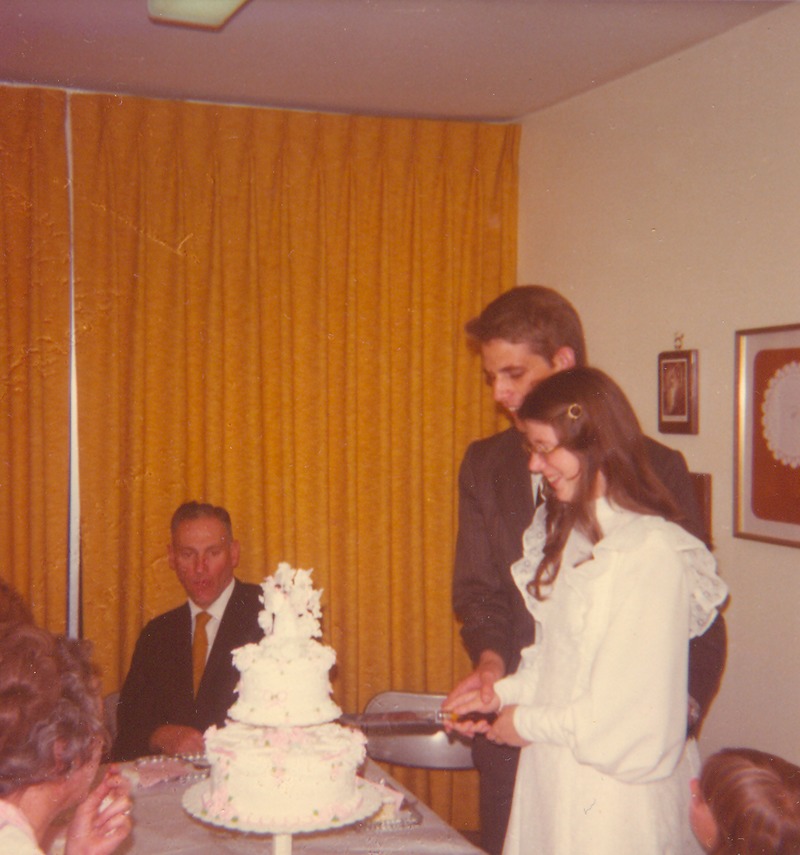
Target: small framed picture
<point>677,391</point>
<point>767,457</point>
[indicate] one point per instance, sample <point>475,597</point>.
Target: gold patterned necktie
<point>199,648</point>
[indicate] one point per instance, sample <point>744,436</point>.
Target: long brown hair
<point>754,798</point>
<point>593,419</point>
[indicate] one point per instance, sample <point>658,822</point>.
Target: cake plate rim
<point>192,801</point>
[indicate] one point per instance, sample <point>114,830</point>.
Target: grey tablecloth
<point>163,827</point>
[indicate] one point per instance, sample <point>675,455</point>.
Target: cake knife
<point>410,718</point>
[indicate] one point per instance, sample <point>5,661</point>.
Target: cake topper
<point>291,605</point>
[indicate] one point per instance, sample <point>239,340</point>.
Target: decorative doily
<point>780,415</point>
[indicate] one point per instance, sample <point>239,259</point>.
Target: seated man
<point>160,707</point>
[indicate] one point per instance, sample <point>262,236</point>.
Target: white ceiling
<point>492,60</point>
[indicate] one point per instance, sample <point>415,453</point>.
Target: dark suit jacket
<point>495,508</point>
<point>158,688</point>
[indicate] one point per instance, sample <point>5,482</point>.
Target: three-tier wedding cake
<point>281,758</point>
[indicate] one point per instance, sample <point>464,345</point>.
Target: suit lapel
<point>514,493</point>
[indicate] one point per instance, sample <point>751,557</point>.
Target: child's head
<point>747,802</point>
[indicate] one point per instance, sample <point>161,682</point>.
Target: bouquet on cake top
<point>291,605</point>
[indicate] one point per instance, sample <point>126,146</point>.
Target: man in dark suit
<point>160,708</point>
<point>524,336</point>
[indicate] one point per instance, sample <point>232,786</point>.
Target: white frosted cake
<point>284,677</point>
<point>284,775</point>
<point>280,760</point>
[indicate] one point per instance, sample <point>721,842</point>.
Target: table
<point>162,827</point>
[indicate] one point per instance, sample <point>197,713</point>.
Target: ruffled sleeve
<point>708,591</point>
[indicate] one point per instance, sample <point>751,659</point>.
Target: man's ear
<point>235,553</point>
<point>564,358</point>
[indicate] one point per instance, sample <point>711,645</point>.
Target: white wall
<point>669,202</point>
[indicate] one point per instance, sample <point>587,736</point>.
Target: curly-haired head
<point>50,712</point>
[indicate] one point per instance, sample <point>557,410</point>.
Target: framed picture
<point>677,391</point>
<point>767,455</point>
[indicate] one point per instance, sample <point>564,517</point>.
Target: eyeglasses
<point>541,450</point>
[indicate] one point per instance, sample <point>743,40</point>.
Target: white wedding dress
<point>602,692</point>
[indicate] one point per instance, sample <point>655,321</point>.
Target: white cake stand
<point>193,803</point>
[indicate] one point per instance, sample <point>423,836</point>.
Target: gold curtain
<point>34,358</point>
<point>270,312</point>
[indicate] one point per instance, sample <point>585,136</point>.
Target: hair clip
<point>574,411</point>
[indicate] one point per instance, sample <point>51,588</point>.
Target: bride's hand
<point>503,731</point>
<point>470,702</point>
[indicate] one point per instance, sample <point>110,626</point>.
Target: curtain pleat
<point>34,357</point>
<point>270,312</point>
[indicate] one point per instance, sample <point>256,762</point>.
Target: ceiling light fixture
<point>211,14</point>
